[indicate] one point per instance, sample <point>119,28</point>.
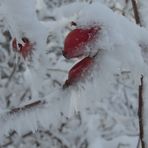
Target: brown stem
<point>136,12</point>
<point>26,107</point>
<point>140,114</point>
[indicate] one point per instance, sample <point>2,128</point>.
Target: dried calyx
<point>24,49</point>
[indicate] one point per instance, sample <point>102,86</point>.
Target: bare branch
<point>136,12</point>
<point>26,107</point>
<point>140,113</point>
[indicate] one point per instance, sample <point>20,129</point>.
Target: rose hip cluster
<point>24,49</point>
<point>75,45</point>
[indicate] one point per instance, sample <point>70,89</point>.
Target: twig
<point>56,138</point>
<point>140,113</point>
<point>47,132</point>
<point>10,142</point>
<point>24,94</point>
<point>27,134</point>
<point>57,70</point>
<point>138,144</point>
<point>26,107</point>
<point>12,73</point>
<point>136,12</point>
<point>7,144</point>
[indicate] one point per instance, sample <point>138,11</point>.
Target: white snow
<point>102,110</point>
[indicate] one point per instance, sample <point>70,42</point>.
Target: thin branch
<point>140,114</point>
<point>47,132</point>
<point>136,12</point>
<point>12,73</point>
<point>26,107</point>
<point>40,104</point>
<point>56,138</point>
<point>7,144</point>
<point>57,70</point>
<point>24,94</point>
<point>138,144</point>
<point>27,134</point>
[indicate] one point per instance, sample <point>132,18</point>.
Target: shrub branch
<point>136,12</point>
<point>141,114</point>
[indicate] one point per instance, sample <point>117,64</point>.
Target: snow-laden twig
<point>42,112</point>
<point>26,107</point>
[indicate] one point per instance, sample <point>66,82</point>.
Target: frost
<point>100,111</point>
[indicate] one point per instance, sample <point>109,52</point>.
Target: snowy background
<point>99,112</point>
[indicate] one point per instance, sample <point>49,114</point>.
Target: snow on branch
<point>119,41</point>
<point>32,115</point>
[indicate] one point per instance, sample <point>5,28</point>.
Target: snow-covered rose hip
<point>79,70</point>
<point>77,40</point>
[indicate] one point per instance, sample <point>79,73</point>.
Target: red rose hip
<point>79,70</point>
<point>77,40</point>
